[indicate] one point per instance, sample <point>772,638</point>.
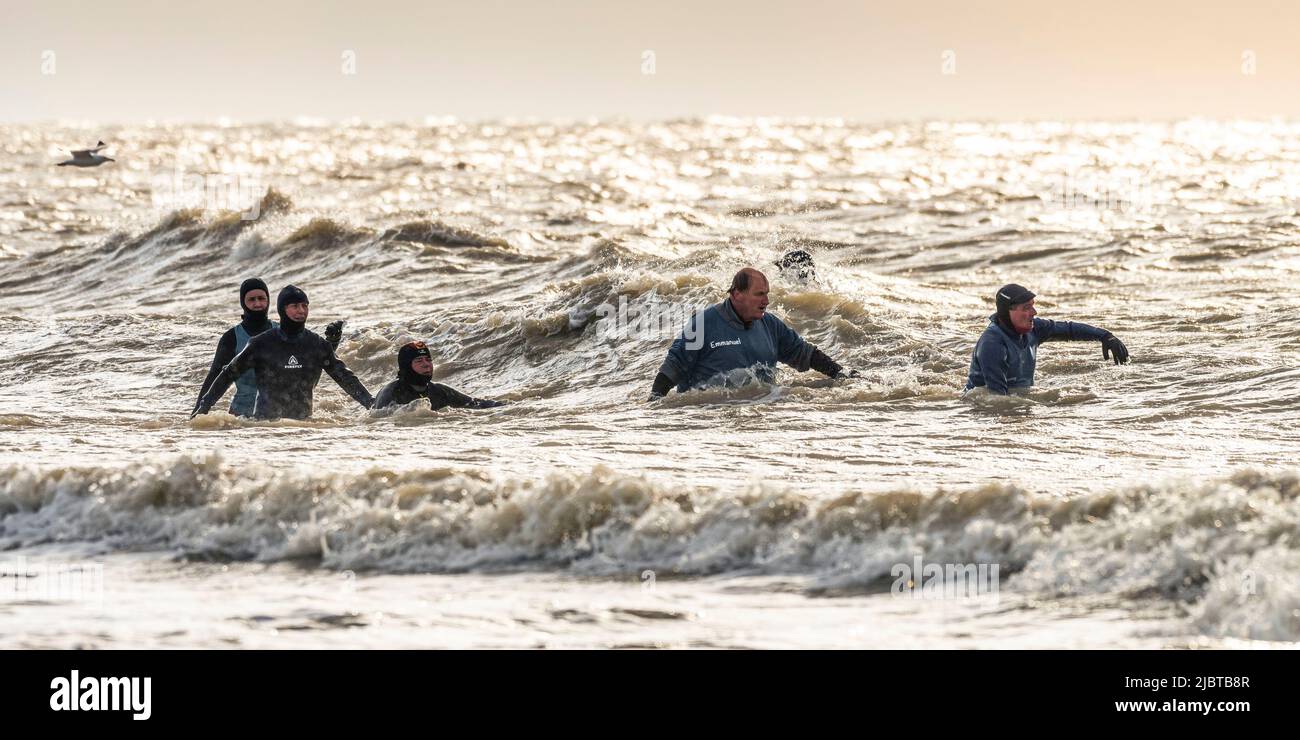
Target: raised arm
<point>796,352</point>
<point>1067,331</point>
<point>1075,331</point>
<point>334,333</point>
<point>793,350</point>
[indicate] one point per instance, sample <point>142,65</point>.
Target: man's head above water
<point>797,264</point>
<point>748,294</point>
<point>1016,308</point>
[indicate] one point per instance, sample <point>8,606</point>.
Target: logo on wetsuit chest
<point>725,343</point>
<point>292,364</point>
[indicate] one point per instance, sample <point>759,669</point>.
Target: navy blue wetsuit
<point>1004,359</point>
<point>715,342</point>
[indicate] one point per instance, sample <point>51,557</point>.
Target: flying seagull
<point>87,157</point>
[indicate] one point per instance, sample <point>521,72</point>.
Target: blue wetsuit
<point>246,384</point>
<point>1004,359</point>
<point>715,342</point>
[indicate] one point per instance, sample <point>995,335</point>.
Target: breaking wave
<point>1224,552</point>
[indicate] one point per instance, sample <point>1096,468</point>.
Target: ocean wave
<point>326,233</point>
<point>20,421</point>
<point>1224,551</point>
<point>438,233</point>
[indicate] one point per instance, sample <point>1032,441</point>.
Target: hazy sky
<point>252,61</point>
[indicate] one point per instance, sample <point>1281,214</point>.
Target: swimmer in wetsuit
<point>287,362</point>
<point>735,334</point>
<point>254,298</point>
<point>414,369</point>
<point>1006,354</point>
<point>797,265</point>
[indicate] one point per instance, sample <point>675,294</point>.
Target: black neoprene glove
<point>662,385</point>
<point>334,333</point>
<point>1112,346</point>
<point>828,367</point>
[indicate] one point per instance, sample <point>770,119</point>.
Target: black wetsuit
<point>288,362</point>
<point>226,347</point>
<point>288,368</point>
<point>411,385</point>
<point>400,393</point>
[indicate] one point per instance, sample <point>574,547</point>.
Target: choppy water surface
<point>549,264</point>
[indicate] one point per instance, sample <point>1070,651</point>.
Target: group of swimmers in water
<point>275,366</point>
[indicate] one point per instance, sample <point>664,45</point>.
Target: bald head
<point>742,280</point>
<point>749,294</point>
